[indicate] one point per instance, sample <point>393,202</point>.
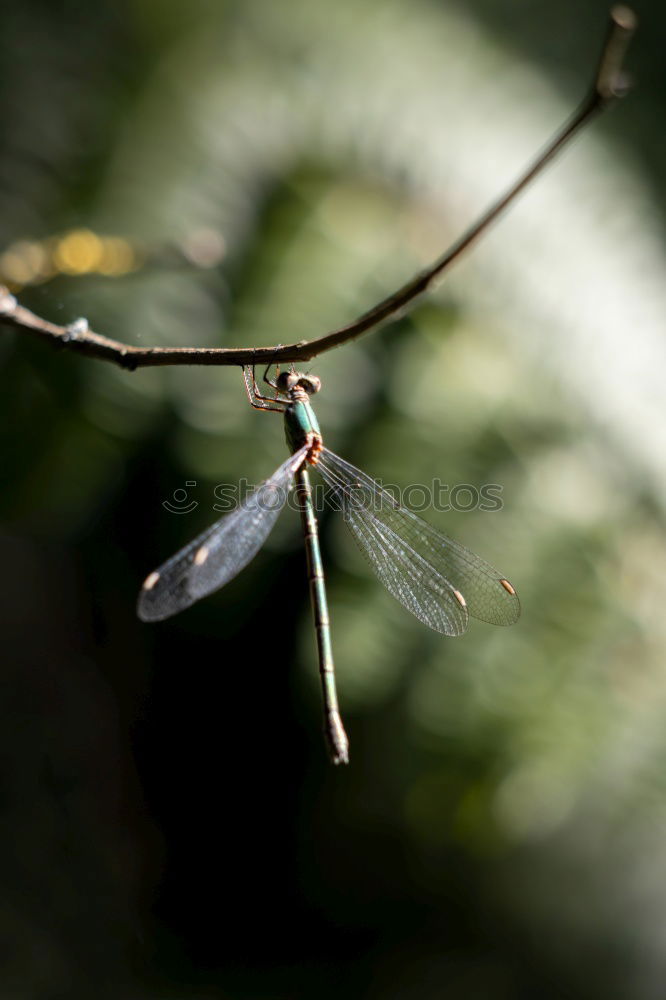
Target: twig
<point>610,84</point>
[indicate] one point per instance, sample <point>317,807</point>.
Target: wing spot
<point>460,599</point>
<point>151,580</point>
<point>507,586</point>
<point>201,555</point>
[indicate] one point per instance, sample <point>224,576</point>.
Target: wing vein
<point>220,552</point>
<point>424,569</point>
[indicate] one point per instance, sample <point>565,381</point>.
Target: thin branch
<point>609,85</point>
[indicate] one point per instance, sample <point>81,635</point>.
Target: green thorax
<point>299,422</point>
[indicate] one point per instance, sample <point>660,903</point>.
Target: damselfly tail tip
<point>338,744</point>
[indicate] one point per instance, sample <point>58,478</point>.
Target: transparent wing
<point>220,552</point>
<point>434,577</point>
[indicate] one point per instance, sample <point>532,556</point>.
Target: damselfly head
<point>286,381</point>
<point>310,383</point>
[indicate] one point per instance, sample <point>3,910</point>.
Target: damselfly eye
<point>310,383</point>
<point>286,381</point>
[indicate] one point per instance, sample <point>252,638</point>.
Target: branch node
<point>8,301</point>
<point>76,330</point>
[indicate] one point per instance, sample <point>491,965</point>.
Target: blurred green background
<point>170,825</point>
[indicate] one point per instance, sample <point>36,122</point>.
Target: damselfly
<point>440,581</point>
